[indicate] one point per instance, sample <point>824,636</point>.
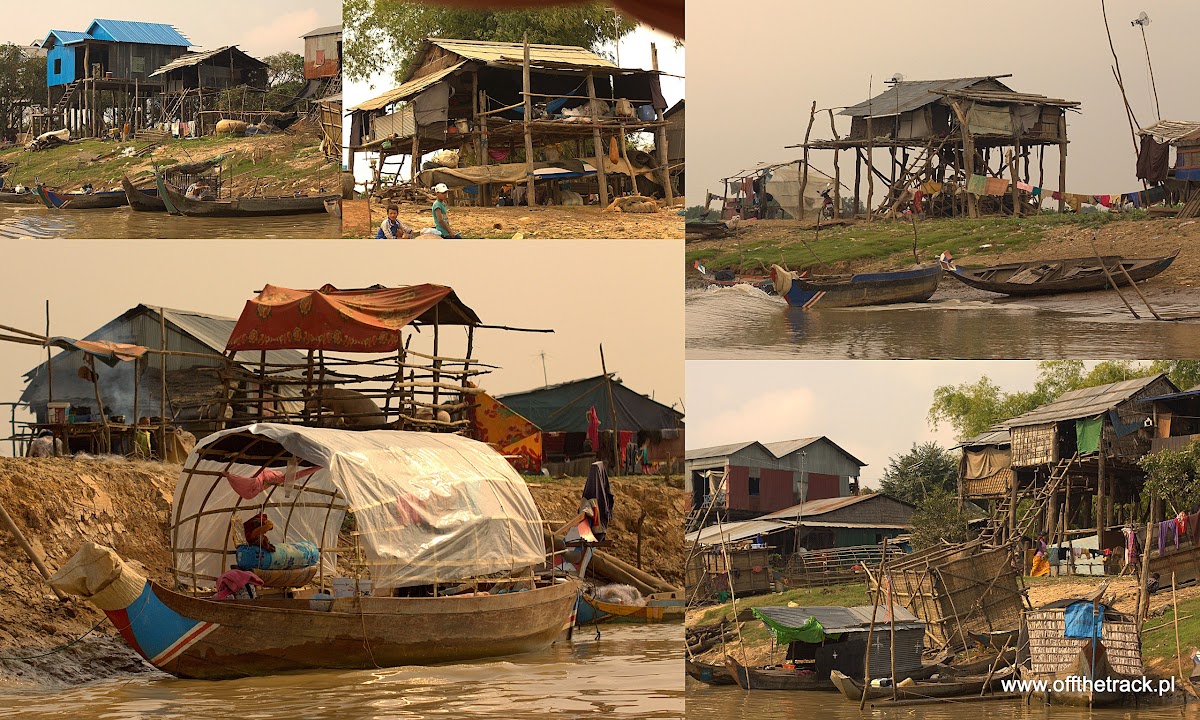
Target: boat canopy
<point>427,507</point>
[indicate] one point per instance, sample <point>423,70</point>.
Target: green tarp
<point>810,632</point>
<point>1087,434</point>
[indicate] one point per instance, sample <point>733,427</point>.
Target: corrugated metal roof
<point>1009,98</point>
<point>146,33</point>
<point>214,331</point>
<point>327,30</point>
<point>1168,130</point>
<point>718,451</point>
<point>732,532</point>
<point>1082,403</point>
<point>837,619</point>
<point>407,90</point>
<point>497,52</point>
<point>787,447</point>
<point>66,37</point>
<point>909,95</point>
<point>820,507</point>
<point>994,436</point>
<point>196,58</point>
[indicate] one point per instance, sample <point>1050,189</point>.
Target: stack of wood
<point>702,638</point>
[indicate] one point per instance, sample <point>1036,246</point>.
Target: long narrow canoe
<point>592,610</point>
<point>10,197</point>
<point>178,204</point>
<point>956,687</point>
<point>884,288</point>
<point>207,639</point>
<point>1050,277</point>
<point>142,200</point>
<point>749,678</point>
<point>1071,692</point>
<point>82,201</point>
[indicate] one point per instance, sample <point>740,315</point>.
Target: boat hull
<point>993,278</point>
<point>16,198</point>
<point>70,201</point>
<point>1075,696</point>
<point>853,689</point>
<point>217,639</point>
<point>178,204</point>
<point>707,673</point>
<point>591,610</point>
<point>887,288</point>
<point>760,679</point>
<point>141,200</point>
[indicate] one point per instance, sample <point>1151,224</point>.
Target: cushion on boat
<point>286,556</point>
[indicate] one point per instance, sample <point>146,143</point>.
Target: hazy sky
<point>635,53</point>
<point>626,294</point>
<point>755,70</point>
<point>260,28</point>
<point>873,409</point>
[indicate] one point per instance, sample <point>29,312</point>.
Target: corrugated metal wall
<point>146,332</point>
<point>321,56</point>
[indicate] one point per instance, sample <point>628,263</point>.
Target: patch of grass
<point>893,240</point>
<point>840,595</point>
<point>1158,645</point>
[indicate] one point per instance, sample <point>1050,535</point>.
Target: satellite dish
<point>1142,19</point>
<point>897,78</point>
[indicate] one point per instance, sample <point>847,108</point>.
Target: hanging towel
<point>996,186</point>
<point>977,185</point>
<point>1153,160</point>
<point>1024,186</point>
<point>1037,192</point>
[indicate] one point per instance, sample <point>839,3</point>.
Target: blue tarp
<point>1083,620</point>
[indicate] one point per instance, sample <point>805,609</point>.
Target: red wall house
<point>823,486</point>
<point>775,489</point>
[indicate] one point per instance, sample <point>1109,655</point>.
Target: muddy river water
<point>704,701</point>
<point>36,221</point>
<point>744,323</point>
<point>630,672</point>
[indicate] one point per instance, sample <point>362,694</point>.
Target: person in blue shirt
<point>441,214</point>
<point>392,228</point>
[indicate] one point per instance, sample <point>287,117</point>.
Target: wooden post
<point>891,628</point>
<point>162,383</point>
<point>871,631</point>
<point>601,175</point>
<point>837,172</point>
<point>1143,592</point>
<point>812,115</point>
<point>1012,172</point>
<point>530,195</point>
<point>870,175</point>
<point>416,156</point>
<point>480,142</point>
<point>660,139</point>
<point>1100,494</point>
<point>968,157</point>
<point>1062,161</point>
<point>1012,509</point>
<point>857,180</point>
<point>612,411</point>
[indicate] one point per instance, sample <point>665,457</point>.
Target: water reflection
<point>744,323</point>
<point>630,672</point>
<point>33,221</point>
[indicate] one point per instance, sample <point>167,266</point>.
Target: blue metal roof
<point>137,32</point>
<point>65,37</point>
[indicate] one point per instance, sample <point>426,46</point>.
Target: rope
<point>61,647</point>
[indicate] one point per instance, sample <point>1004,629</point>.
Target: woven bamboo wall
<point>1050,652</point>
<point>1034,445</point>
<point>1184,562</point>
<point>994,485</point>
<point>959,590</point>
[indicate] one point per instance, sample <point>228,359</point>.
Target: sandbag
<point>231,127</point>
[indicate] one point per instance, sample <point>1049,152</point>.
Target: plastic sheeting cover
<point>429,507</point>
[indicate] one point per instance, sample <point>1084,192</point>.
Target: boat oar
<point>1138,290</point>
<point>988,680</point>
<point>1111,281</point>
<point>37,561</point>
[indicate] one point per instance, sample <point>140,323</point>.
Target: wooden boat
<point>201,638</point>
<point>956,687</point>
<point>1049,277</point>
<point>81,201</point>
<point>178,204</point>
<point>1073,692</point>
<point>592,610</point>
<point>885,288</point>
<point>707,672</point>
<point>11,197</point>
<point>749,678</point>
<point>142,200</point>
<point>458,604</point>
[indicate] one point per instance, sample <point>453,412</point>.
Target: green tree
<point>386,33</point>
<point>22,85</point>
<point>285,78</point>
<point>1184,373</point>
<point>923,470</point>
<point>939,518</point>
<point>1173,475</point>
<point>972,408</point>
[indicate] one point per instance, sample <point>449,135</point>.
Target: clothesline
<point>982,185</point>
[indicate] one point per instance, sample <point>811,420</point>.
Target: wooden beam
<point>530,194</point>
<point>812,115</point>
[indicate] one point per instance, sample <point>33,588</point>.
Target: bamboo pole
<point>1143,594</point>
<point>612,410</point>
<point>891,626</point>
<point>597,142</point>
<point>162,383</point>
<point>530,197</point>
<point>871,631</point>
<point>660,139</point>
<point>812,115</point>
<point>837,171</point>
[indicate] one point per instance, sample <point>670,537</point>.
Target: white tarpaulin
<point>428,507</point>
<point>783,183</point>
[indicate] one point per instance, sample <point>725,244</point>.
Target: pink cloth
<point>232,582</point>
<point>593,429</point>
<point>249,487</point>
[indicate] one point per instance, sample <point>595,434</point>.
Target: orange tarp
<point>331,319</point>
<point>107,351</point>
<point>513,436</point>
